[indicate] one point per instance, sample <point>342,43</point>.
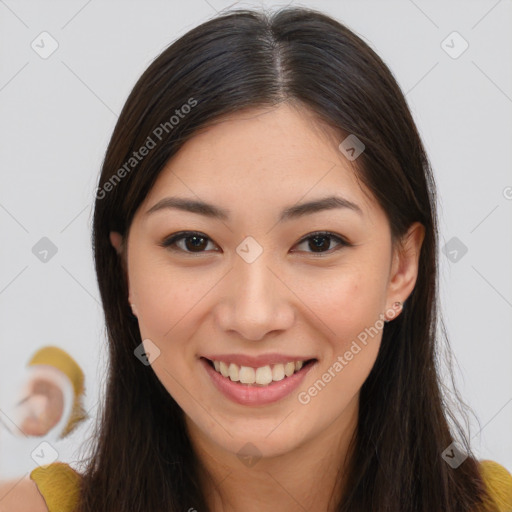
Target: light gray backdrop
<point>66,68</point>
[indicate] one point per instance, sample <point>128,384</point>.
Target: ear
<point>404,269</point>
<point>117,241</point>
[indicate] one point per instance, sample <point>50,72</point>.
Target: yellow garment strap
<point>59,484</point>
<point>499,484</point>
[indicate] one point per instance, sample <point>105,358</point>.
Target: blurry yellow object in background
<point>54,357</point>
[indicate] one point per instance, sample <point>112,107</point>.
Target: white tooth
<point>289,369</point>
<point>278,372</point>
<point>216,364</point>
<point>247,375</point>
<point>224,369</point>
<point>234,372</point>
<point>263,375</point>
<point>298,365</point>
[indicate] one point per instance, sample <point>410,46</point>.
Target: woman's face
<point>256,290</point>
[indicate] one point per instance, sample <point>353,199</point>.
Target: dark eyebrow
<point>293,212</point>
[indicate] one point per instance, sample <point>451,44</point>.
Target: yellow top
<point>59,485</point>
<point>499,482</point>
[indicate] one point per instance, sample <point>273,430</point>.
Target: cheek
<point>333,392</point>
<point>346,300</point>
<point>166,297</point>
<point>349,306</point>
<point>353,339</point>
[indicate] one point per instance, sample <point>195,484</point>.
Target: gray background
<point>57,115</point>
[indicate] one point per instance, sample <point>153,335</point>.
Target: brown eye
<point>192,242</point>
<point>321,242</point>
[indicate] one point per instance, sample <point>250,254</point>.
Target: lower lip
<point>246,394</point>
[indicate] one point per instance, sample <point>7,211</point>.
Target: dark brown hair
<point>141,457</point>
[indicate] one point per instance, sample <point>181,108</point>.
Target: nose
<point>256,300</point>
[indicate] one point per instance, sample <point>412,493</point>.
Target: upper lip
<point>257,361</point>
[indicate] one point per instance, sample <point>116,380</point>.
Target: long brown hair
<point>141,457</point>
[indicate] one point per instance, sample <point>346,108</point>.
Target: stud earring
<point>393,312</point>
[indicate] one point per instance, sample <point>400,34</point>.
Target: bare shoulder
<point>21,495</point>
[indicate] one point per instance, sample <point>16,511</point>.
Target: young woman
<point>265,240</point>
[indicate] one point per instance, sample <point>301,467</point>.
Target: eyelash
<point>171,241</point>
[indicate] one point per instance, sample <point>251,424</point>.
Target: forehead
<point>276,155</point>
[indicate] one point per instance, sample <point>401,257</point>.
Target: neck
<point>310,477</point>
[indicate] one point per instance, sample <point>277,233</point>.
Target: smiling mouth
<point>262,376</point>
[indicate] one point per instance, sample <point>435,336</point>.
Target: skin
<point>291,300</point>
